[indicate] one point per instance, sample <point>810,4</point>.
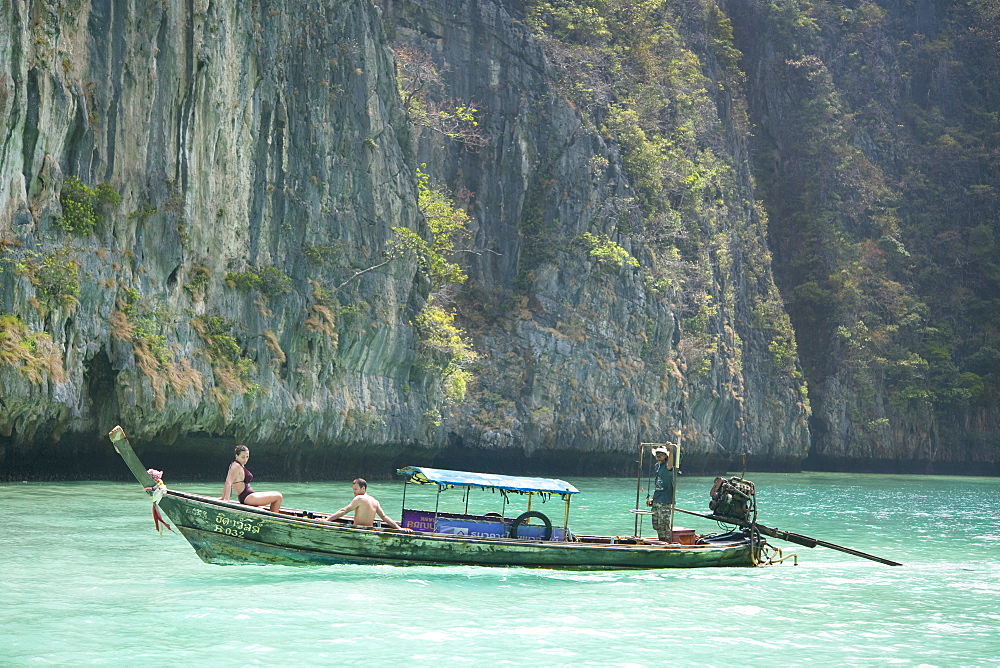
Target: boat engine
<point>733,498</point>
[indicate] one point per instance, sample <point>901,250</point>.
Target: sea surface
<point>85,579</point>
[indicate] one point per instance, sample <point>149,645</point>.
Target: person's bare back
<point>365,508</point>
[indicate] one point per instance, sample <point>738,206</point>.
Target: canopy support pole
<point>567,497</point>
<point>437,504</point>
<point>638,487</point>
<point>677,465</point>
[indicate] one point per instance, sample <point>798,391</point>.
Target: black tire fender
<point>528,515</point>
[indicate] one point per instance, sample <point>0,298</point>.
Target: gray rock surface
<point>250,137</point>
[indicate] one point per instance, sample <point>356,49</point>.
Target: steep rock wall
<point>241,139</point>
<point>262,157</point>
<point>583,359</point>
<point>869,196</point>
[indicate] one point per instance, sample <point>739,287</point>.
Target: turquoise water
<point>86,579</point>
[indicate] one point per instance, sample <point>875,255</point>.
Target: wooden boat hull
<point>229,533</point>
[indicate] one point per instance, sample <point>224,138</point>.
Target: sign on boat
<point>227,532</point>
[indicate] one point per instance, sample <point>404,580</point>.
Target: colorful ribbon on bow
<point>157,491</point>
<point>158,520</point>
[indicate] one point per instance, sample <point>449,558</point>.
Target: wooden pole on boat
<point>638,487</point>
<point>566,514</point>
<point>677,464</point>
<point>796,538</point>
<point>402,509</point>
<point>124,448</point>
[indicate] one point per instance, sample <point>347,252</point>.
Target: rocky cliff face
<point>250,142</point>
<point>873,150</point>
<point>262,157</point>
<point>584,358</point>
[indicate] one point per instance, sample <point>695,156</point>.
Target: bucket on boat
<point>682,536</point>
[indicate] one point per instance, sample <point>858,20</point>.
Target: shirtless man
<point>365,507</point>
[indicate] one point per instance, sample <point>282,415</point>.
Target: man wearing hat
<point>663,490</point>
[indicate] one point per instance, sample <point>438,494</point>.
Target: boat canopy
<point>421,474</point>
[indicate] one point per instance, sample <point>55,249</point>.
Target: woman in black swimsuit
<point>238,479</point>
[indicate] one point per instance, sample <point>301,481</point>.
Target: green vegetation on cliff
<point>83,207</point>
<point>882,186</point>
<point>32,354</point>
<point>447,351</point>
<point>650,92</point>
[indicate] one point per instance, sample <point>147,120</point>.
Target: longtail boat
<point>226,532</point>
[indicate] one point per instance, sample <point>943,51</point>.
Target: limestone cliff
<point>196,212</point>
<point>875,152</point>
<point>585,357</point>
<point>242,141</point>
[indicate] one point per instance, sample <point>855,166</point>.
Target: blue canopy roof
<point>513,483</point>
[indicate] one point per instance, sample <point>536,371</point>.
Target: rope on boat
<point>756,540</point>
<point>779,556</point>
<point>770,555</point>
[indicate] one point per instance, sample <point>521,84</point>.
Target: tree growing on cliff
<point>421,90</point>
<point>450,353</point>
<point>83,207</point>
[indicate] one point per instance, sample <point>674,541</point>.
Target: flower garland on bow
<point>157,491</point>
